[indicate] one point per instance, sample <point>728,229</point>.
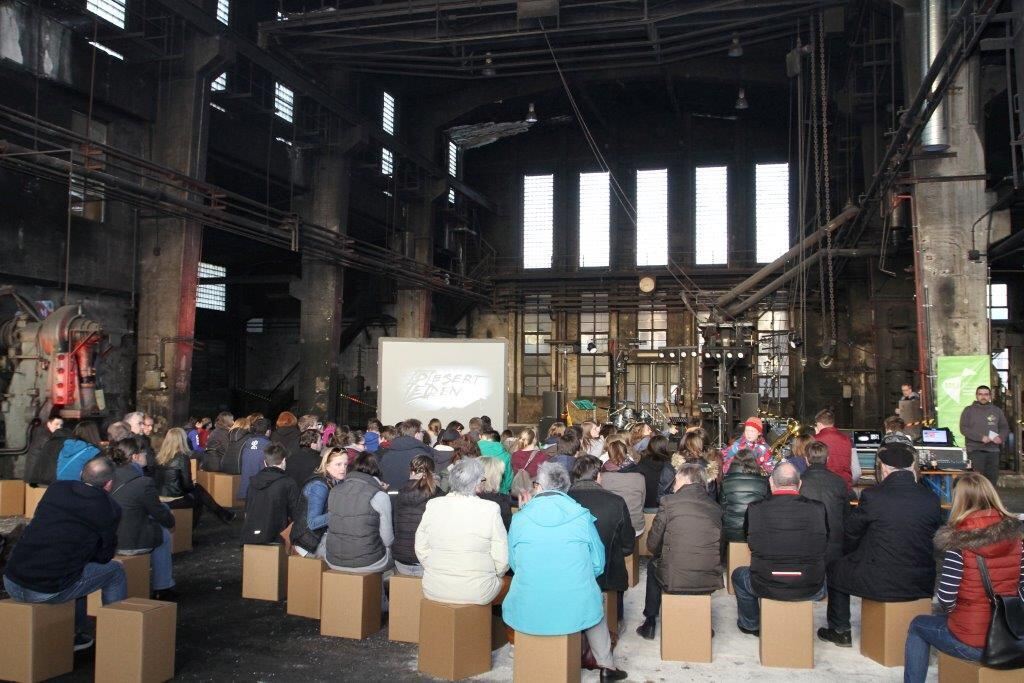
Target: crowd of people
<point>437,501</point>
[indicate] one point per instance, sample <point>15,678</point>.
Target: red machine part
<point>63,380</point>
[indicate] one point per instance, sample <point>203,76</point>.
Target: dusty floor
<point>224,638</point>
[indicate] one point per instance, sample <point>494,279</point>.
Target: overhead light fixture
<point>671,354</point>
<point>739,354</point>
<point>693,354</point>
<point>795,342</point>
<point>488,69</point>
<point>531,114</point>
<point>741,100</point>
<point>728,354</point>
<point>707,354</point>
<point>718,355</point>
<point>592,346</point>
<point>735,50</point>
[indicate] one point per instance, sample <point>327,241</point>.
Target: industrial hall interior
<point>512,340</point>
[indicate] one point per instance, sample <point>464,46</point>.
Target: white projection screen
<point>450,379</point>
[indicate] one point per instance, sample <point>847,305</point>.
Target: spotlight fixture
<point>739,354</point>
<point>592,346</point>
<point>728,354</point>
<point>693,354</point>
<point>531,114</point>
<point>671,354</point>
<point>795,342</point>
<point>741,100</point>
<point>735,50</point>
<point>707,354</point>
<point>488,69</point>
<point>718,355</point>
<point>661,354</point>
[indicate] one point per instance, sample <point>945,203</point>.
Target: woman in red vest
<point>979,526</point>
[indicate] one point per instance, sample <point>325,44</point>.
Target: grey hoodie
<point>977,421</point>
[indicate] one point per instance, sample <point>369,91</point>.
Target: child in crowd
<point>270,503</point>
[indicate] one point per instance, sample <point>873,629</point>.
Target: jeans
<point>652,602</point>
<point>924,633</point>
<point>160,564</point>
<point>747,607</point>
<point>408,569</point>
<point>985,463</point>
<point>837,615</point>
<point>109,578</point>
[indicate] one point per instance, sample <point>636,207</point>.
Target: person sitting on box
<point>890,534</point>
<point>788,538</point>
<point>310,523</point>
<point>66,550</point>
<point>254,447</point>
<point>271,503</point>
<point>980,530</point>
<point>146,523</point>
<point>742,486</point>
<point>461,541</point>
<point>491,447</point>
<point>408,507</point>
<point>173,476</point>
<point>556,553</point>
<point>359,528</point>
<point>819,483</point>
<point>685,538</point>
<point>490,487</point>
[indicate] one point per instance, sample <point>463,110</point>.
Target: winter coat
<point>504,505</point>
<point>494,449</point>
<point>395,459</point>
<point>301,464</point>
<point>686,538</point>
<point>556,554</point>
<point>463,548</point>
<point>788,539</point>
<point>143,516</point>
<point>658,479</point>
<point>216,444</point>
<point>520,458</point>
<point>889,542</point>
<point>174,479</point>
<point>840,453</point>
<point>976,421</point>
<point>253,448</point>
<point>74,524</point>
<point>632,488</point>
<point>738,492</point>
<point>818,483</point>
<point>371,440</point>
<point>310,521</point>
<point>353,527</point>
<point>614,528</point>
<point>287,437</point>
<point>231,462</point>
<point>270,506</point>
<point>74,453</point>
<point>41,459</point>
<point>407,509</point>
<point>997,539</point>
<point>194,440</point>
<point>761,452</point>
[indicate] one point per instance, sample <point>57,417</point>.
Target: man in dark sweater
<point>821,484</point>
<point>271,499</point>
<point>985,430</point>
<point>889,537</point>
<point>396,458</point>
<point>66,551</point>
<point>788,537</point>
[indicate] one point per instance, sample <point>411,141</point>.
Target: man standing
<point>909,408</point>
<point>685,540</point>
<point>985,429</point>
<point>890,533</point>
<point>788,538</point>
<point>840,448</point>
<point>66,551</point>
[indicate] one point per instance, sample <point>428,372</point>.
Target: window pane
<point>453,159</point>
<point>594,220</point>
<point>388,122</point>
<point>997,302</point>
<point>772,210</point>
<point>538,221</point>
<point>387,162</point>
<point>652,217</point>
<point>220,83</point>
<point>111,10</point>
<point>213,297</point>
<point>223,11</point>
<point>284,102</point>
<point>712,215</point>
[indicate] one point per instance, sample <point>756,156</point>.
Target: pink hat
<point>756,423</point>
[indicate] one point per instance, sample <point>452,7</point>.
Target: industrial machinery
<point>46,364</point>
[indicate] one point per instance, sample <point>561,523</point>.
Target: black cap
<point>897,454</point>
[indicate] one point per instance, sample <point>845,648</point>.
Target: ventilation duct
<point>934,137</point>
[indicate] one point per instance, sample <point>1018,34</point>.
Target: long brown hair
<point>692,445</point>
<point>421,469</point>
<point>973,493</point>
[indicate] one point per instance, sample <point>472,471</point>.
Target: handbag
<point>523,482</point>
<point>1004,647</point>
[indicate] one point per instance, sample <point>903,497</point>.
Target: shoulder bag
<point>1004,647</point>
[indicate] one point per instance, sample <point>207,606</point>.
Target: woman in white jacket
<point>461,542</point>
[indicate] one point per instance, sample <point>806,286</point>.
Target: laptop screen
<point>935,437</point>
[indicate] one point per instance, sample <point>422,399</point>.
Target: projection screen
<point>450,379</point>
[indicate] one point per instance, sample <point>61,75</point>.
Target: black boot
<point>647,629</point>
<point>613,674</point>
<point>840,638</point>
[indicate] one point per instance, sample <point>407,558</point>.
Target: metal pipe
<point>934,137</point>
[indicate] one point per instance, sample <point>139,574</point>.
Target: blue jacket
<point>557,555</point>
<point>371,441</point>
<point>316,493</point>
<point>72,458</point>
<point>253,446</point>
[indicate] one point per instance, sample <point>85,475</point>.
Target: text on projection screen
<point>453,380</point>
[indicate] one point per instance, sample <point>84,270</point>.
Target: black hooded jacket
<point>41,460</point>
<point>270,506</point>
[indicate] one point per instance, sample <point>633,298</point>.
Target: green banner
<point>958,378</point>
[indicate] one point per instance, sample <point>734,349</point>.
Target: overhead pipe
<point>934,137</point>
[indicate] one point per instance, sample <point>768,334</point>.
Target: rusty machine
<point>46,365</point>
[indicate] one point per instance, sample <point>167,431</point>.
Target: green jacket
<point>494,449</point>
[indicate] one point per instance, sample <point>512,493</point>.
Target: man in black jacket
<point>788,537</point>
<point>396,458</point>
<point>613,524</point>
<point>890,539</point>
<point>271,500</point>
<point>66,550</point>
<point>821,484</point>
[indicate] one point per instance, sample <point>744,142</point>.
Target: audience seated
<point>527,457</point>
<point>304,460</point>
<point>798,452</point>
<point>490,446</point>
<point>685,541</point>
<point>656,466</point>
<point>83,446</point>
<point>217,442</point>
<point>231,462</point>
<point>751,439</point>
<point>565,449</point>
<point>146,523</point>
<point>371,437</point>
<point>494,474</point>
<point>980,529</point>
<point>42,455</point>
<point>272,499</point>
<point>691,447</point>
<point>743,485</point>
<point>311,515</point>
<point>820,484</point>
<point>461,542</point>
<point>359,529</point>
<point>889,536</point>
<point>286,432</point>
<point>619,475</point>
<point>407,509</point>
<point>788,538</point>
<point>172,474</point>
<point>65,553</point>
<point>556,554</point>
<point>253,452</point>
<point>396,458</point>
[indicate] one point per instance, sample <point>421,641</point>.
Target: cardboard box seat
<point>455,640</point>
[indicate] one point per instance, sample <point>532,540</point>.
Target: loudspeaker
<point>553,403</point>
<point>748,406</point>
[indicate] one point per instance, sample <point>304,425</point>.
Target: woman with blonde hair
<point>554,431</point>
<point>172,475</point>
<point>311,514</point>
<point>490,487</point>
<point>691,447</point>
<point>981,536</point>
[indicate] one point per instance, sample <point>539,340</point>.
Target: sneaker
<point>840,638</point>
<point>749,631</point>
<point>647,629</point>
<point>83,641</point>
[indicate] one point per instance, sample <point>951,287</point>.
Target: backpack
<point>523,482</point>
<point>231,463</point>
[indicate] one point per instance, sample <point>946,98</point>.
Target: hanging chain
<point>816,149</point>
<point>826,172</point>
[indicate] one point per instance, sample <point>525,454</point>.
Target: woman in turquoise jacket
<point>557,555</point>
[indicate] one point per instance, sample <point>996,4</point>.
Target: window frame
<point>548,230</point>
<point>715,258</point>
<point>594,226</point>
<point>778,242</point>
<point>653,246</point>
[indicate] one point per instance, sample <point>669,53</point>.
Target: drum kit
<point>629,414</point>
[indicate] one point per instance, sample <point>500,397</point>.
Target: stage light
<point>718,355</point>
<point>739,354</point>
<point>592,346</point>
<point>671,354</point>
<point>707,354</point>
<point>728,354</point>
<point>693,354</point>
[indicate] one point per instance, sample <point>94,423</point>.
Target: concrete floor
<point>224,638</point>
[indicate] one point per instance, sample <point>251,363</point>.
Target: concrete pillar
<point>413,305</point>
<point>170,248</point>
